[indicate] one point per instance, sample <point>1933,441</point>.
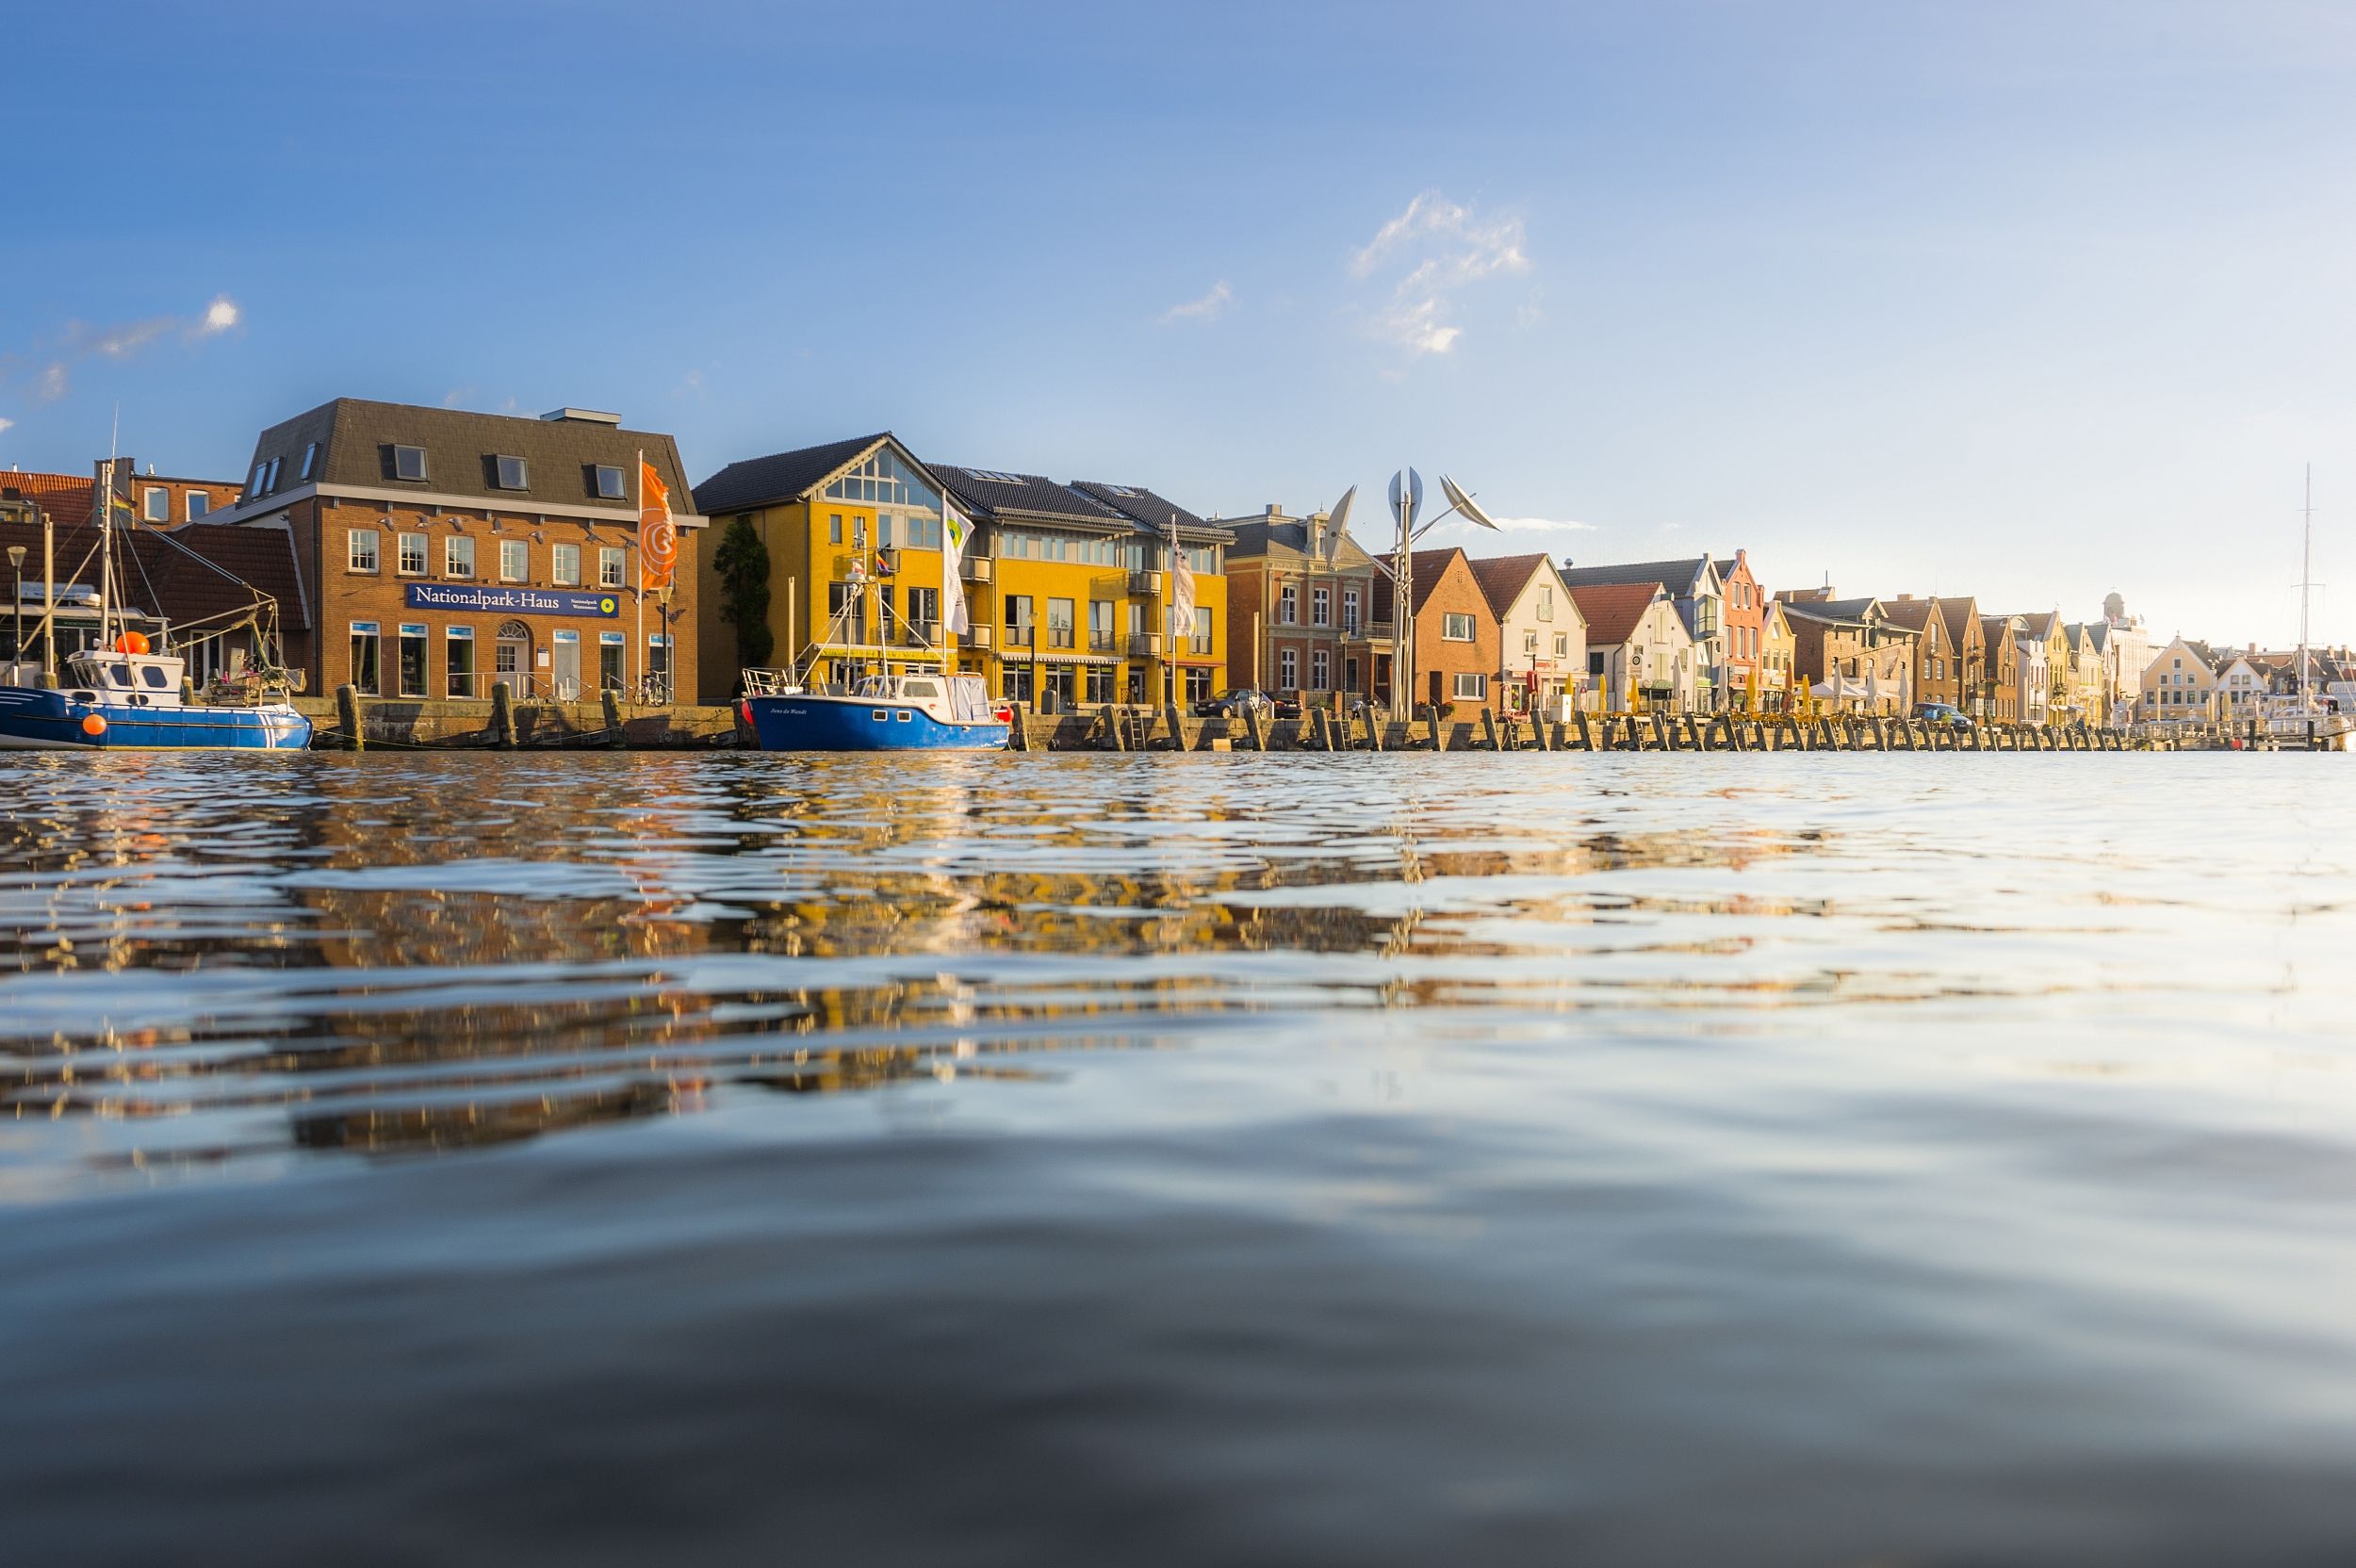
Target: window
<point>360,551</point>
<point>1562,645</point>
<point>413,555</point>
<point>1289,605</point>
<point>310,459</point>
<point>883,531</point>
<point>155,504</point>
<point>458,556</point>
<point>200,504</point>
<point>515,561</point>
<point>367,650</point>
<point>1014,683</point>
<point>1203,628</point>
<point>613,653</point>
<point>1288,669</point>
<point>253,485</point>
<point>1059,626</point>
<point>659,665</point>
<point>1595,660</point>
<point>514,473</point>
<point>610,565</point>
<point>608,484</point>
<point>270,484</point>
<point>1456,628</point>
<point>1018,633</point>
<point>883,479</point>
<point>412,660</point>
<point>1100,626</point>
<point>1471,688</point>
<point>834,528</point>
<point>409,463</point>
<point>1321,606</point>
<point>1545,603</point>
<point>1349,610</point>
<point>1321,668</point>
<point>1100,682</point>
<point>458,642</point>
<point>1530,643</point>
<point>564,565</point>
<point>1198,684</point>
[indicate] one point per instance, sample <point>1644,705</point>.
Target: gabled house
<point>1937,674</point>
<point>2180,683</point>
<point>1639,654</point>
<point>1542,638</point>
<point>1745,632</point>
<point>2090,698</point>
<point>1778,659</point>
<point>1301,598</point>
<point>1850,652</point>
<point>1698,588</point>
<point>1455,632</point>
<point>1999,692</point>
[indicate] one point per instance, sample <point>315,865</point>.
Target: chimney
<point>579,417</point>
<point>1906,598</point>
<point>1275,512</point>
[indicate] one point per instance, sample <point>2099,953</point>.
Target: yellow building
<point>1067,588</point>
<point>1072,591</point>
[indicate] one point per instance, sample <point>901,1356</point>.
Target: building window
<point>1203,628</point>
<point>834,528</point>
<point>360,551</point>
<point>1471,688</point>
<point>1529,643</point>
<point>458,556</point>
<point>1288,669</point>
<point>155,504</point>
<point>367,651</point>
<point>610,484</point>
<point>1059,623</point>
<point>413,555</point>
<point>1100,626</point>
<point>310,459</point>
<point>1595,660</point>
<point>659,667</point>
<point>514,474</point>
<point>253,485</point>
<point>409,463</point>
<point>200,504</point>
<point>612,652</point>
<point>412,660</point>
<point>1349,610</point>
<point>1199,684</point>
<point>1289,605</point>
<point>1321,668</point>
<point>1456,628</point>
<point>458,643</point>
<point>515,561</point>
<point>1321,606</point>
<point>610,565</point>
<point>1562,645</point>
<point>270,484</point>
<point>1545,603</point>
<point>1100,682</point>
<point>564,565</point>
<point>1018,633</point>
<point>1014,683</point>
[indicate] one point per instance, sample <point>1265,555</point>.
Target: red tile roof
<point>1613,610</point>
<point>189,574</point>
<point>65,496</point>
<point>1502,578</point>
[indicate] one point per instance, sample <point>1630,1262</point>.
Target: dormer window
<point>513,474</point>
<point>310,460</point>
<point>610,484</point>
<point>255,487</point>
<point>409,463</point>
<point>270,484</point>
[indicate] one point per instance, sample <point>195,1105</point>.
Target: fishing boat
<point>119,689</point>
<point>908,701</point>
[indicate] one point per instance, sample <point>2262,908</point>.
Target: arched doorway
<point>511,660</point>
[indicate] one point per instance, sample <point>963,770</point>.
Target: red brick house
<point>1456,632</point>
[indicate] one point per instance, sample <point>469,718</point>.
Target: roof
<point>1150,513</point>
<point>1429,565</point>
<point>782,475</point>
<point>1912,614</point>
<point>1614,610</point>
<point>184,574</point>
<point>1830,609</point>
<point>994,493</point>
<point>2040,625</point>
<point>1502,578</point>
<point>1288,536</point>
<point>1958,613</point>
<point>2203,652</point>
<point>1676,576</point>
<point>65,496</point>
<point>356,440</point>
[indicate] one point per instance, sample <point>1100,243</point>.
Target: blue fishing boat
<point>927,711</point>
<point>126,701</point>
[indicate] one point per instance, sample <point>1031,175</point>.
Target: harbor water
<point>963,1159</point>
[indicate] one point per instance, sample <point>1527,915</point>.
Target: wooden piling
<point>1177,723</point>
<point>1374,730</point>
<point>1251,726</point>
<point>1489,729</point>
<point>348,714</point>
<point>611,701</point>
<point>1432,728</point>
<point>1116,729</point>
<point>502,716</point>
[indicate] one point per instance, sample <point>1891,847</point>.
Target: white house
<point>1541,637</point>
<point>1637,647</point>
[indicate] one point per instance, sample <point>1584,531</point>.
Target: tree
<point>743,565</point>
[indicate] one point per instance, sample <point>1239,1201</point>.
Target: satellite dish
<point>1463,503</point>
<point>1406,496</point>
<point>1339,524</point>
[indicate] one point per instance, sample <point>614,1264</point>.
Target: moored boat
<point>923,712</point>
<point>132,701</point>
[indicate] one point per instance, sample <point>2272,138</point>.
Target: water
<point>1775,1159</point>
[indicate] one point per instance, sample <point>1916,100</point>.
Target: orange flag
<point>658,537</point>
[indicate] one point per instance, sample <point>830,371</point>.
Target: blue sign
<point>512,601</point>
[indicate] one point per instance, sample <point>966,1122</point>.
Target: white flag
<point>1180,589</point>
<point>956,530</point>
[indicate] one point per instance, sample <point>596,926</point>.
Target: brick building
<point>441,551</point>
<point>1743,664</point>
<point>1456,632</point>
<point>1301,609</point>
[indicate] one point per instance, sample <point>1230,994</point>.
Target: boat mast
<point>105,553</point>
<point>2306,584</point>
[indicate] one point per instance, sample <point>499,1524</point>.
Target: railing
<point>1059,636</point>
<point>920,634</point>
<point>1102,641</point>
<point>974,569</point>
<point>1145,644</point>
<point>1024,635</point>
<point>1141,584</point>
<point>1199,645</point>
<point>977,635</point>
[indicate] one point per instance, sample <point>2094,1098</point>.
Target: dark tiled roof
<point>2041,625</point>
<point>1830,610</point>
<point>1150,511</point>
<point>65,496</point>
<point>356,439</point>
<point>1288,537</point>
<point>781,477</point>
<point>1502,578</point>
<point>1678,575</point>
<point>189,574</point>
<point>1960,614</point>
<point>1914,614</point>
<point>1023,498</point>
<point>1613,610</point>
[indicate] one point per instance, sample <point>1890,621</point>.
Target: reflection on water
<point>1351,1159</point>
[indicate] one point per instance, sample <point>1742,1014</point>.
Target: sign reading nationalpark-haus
<point>512,601</point>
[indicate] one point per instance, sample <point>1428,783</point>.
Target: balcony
<point>1141,584</point>
<point>920,634</point>
<point>974,569</point>
<point>1061,637</point>
<point>1198,645</point>
<point>1022,635</point>
<point>887,561</point>
<point>1145,644</point>
<point>977,635</point>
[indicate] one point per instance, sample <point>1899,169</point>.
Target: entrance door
<point>511,657</point>
<point>565,672</point>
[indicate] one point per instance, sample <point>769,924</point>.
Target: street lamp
<point>16,644</point>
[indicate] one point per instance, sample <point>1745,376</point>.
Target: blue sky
<point>2031,300</point>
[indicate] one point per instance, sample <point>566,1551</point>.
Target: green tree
<point>743,565</point>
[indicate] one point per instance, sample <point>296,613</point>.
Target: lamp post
<point>16,643</point>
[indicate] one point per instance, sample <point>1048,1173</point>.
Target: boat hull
<point>815,723</point>
<point>33,720</point>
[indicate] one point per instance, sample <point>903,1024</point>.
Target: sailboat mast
<point>2306,583</point>
<point>105,554</point>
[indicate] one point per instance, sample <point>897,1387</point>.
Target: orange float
<point>131,641</point>
<point>94,724</point>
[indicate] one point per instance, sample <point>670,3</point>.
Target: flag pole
<point>639,549</point>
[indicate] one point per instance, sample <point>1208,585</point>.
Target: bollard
<point>1586,735</point>
<point>1251,726</point>
<point>1489,729</point>
<point>1431,725</point>
<point>612,701</point>
<point>1321,730</point>
<point>1661,733</point>
<point>1177,725</point>
<point>502,716</point>
<point>348,714</point>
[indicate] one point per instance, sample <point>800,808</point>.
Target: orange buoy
<point>93,723</point>
<point>131,641</point>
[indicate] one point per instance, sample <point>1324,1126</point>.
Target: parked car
<point>1230,704</point>
<point>1942,713</point>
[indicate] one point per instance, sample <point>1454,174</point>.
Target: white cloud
<point>1444,248</point>
<point>220,315</point>
<point>1210,307</point>
<point>456,397</point>
<point>53,383</point>
<point>6,424</point>
<point>121,341</point>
